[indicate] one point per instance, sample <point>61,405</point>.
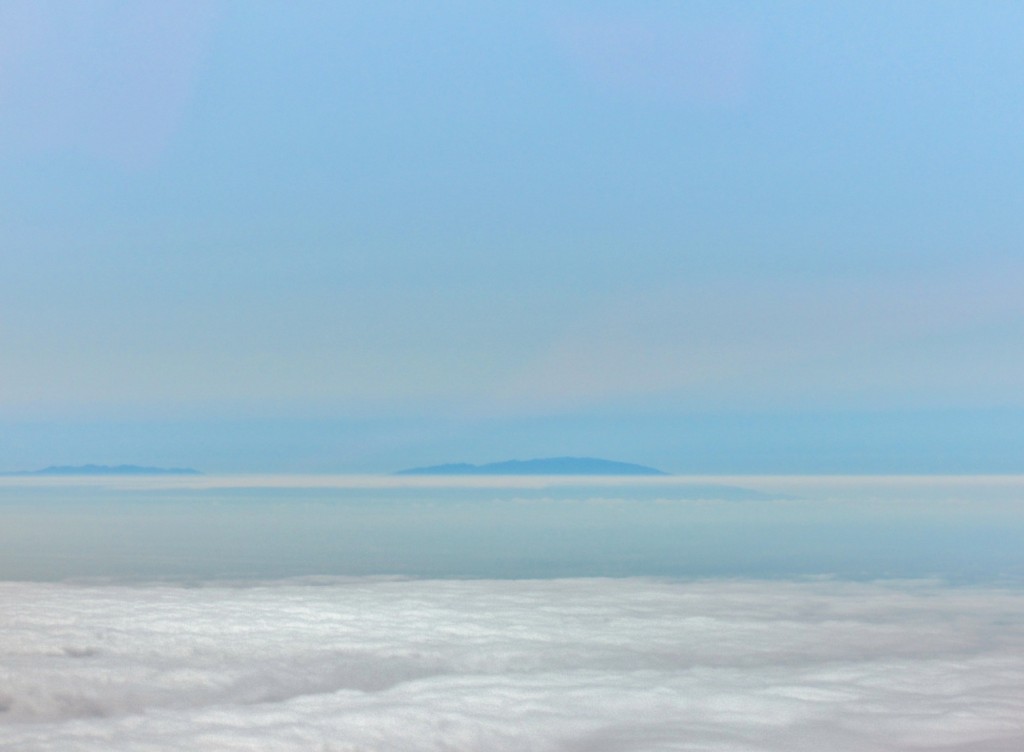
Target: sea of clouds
<point>579,665</point>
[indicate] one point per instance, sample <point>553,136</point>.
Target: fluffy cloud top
<point>587,664</point>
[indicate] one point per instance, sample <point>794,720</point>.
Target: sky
<point>309,236</point>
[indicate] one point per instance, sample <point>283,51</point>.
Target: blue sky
<point>325,236</point>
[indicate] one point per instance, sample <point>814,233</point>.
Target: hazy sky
<point>429,215</point>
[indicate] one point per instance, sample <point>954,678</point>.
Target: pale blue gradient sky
<point>492,227</point>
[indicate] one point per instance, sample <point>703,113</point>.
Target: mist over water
<point>963,530</point>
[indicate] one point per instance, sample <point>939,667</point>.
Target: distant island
<point>545,466</point>
<point>108,470</point>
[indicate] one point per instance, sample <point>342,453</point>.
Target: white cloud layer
<point>588,664</point>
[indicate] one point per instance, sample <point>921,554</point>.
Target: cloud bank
<point>585,664</point>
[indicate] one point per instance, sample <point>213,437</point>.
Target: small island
<point>108,470</point>
<point>543,466</point>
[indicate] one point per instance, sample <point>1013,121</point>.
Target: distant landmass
<point>108,470</point>
<point>545,466</point>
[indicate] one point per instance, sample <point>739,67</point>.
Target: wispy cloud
<point>496,665</point>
